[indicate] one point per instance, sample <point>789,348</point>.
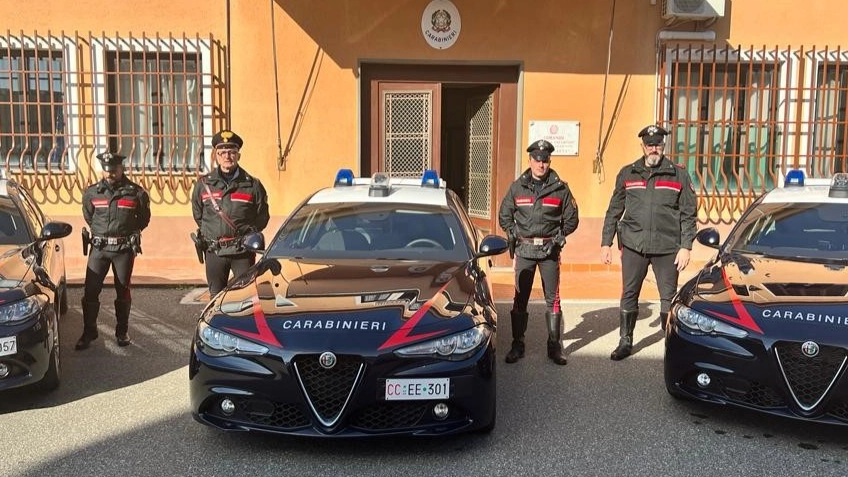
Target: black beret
<point>109,160</point>
<point>653,135</point>
<point>227,137</point>
<point>540,149</point>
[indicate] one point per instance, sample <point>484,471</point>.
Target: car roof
<point>401,191</point>
<point>813,191</point>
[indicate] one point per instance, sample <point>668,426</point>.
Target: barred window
<point>829,121</point>
<point>156,102</point>
<point>32,99</point>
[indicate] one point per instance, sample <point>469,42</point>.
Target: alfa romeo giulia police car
<point>370,313</point>
<point>765,324</point>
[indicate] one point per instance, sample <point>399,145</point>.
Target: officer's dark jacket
<point>653,208</point>
<point>119,210</point>
<point>528,213</point>
<point>243,200</point>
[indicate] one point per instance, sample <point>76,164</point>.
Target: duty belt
<point>536,240</point>
<point>226,241</point>
<point>109,240</point>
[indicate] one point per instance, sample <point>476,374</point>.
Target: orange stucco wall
<point>560,45</point>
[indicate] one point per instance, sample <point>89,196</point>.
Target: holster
<point>512,241</point>
<point>135,243</point>
<point>199,245</point>
<point>86,240</point>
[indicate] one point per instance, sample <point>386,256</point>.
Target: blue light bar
<point>794,178</point>
<point>430,179</point>
<point>344,177</point>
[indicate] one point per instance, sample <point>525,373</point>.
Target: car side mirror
<point>492,245</point>
<point>55,230</point>
<point>709,237</point>
<point>254,242</point>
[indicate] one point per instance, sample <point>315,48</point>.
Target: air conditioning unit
<point>692,9</point>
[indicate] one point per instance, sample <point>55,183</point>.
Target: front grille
<point>808,378</point>
<point>752,393</point>
<point>806,289</point>
<point>395,415</point>
<point>328,390</point>
<point>840,411</point>
<point>264,413</point>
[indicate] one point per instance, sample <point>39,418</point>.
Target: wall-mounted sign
<point>564,135</point>
<point>440,24</point>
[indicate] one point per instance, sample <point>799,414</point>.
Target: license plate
<point>415,389</point>
<point>538,241</point>
<point>8,345</point>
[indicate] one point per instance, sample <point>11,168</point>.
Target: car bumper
<point>269,395</point>
<point>34,340</point>
<point>747,373</point>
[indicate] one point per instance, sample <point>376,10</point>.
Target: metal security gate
<point>480,118</point>
<point>409,127</point>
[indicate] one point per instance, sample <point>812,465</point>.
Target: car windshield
<point>372,230</point>
<point>803,231</point>
<point>13,229</point>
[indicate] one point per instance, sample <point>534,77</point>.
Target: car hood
<point>362,304</point>
<point>775,297</point>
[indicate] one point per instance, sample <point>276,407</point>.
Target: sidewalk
<point>578,282</point>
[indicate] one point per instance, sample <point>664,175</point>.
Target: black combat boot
<point>625,343</point>
<point>663,319</point>
<point>519,326</point>
<point>90,309</point>
<point>555,351</point>
<point>122,314</point>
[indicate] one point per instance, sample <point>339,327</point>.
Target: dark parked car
<point>32,290</point>
<point>370,313</point>
<point>764,325</point>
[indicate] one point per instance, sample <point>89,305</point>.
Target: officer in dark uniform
<point>653,211</point>
<point>117,210</point>
<point>227,204</point>
<point>537,213</point>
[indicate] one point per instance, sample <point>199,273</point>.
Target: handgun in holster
<point>512,242</point>
<point>199,244</point>
<point>135,243</point>
<point>86,240</point>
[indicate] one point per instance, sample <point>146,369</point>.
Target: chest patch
<point>215,195</point>
<point>668,185</point>
<point>524,201</point>
<point>100,203</point>
<point>635,184</point>
<point>241,197</point>
<point>126,203</point>
<point>551,201</point>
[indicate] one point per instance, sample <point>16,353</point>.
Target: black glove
<point>559,239</point>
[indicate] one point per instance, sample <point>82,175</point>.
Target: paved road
<point>124,412</point>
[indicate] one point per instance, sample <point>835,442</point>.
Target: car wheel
<point>51,378</point>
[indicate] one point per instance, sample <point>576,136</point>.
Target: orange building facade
<point>748,89</point>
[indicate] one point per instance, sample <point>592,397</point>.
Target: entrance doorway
<point>459,120</point>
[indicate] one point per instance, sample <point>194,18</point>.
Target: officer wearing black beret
<point>653,212</point>
<point>117,210</point>
<point>537,213</point>
<point>227,204</point>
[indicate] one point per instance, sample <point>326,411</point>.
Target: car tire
<point>63,301</point>
<point>53,375</point>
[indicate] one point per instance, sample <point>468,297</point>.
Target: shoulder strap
<point>217,207</point>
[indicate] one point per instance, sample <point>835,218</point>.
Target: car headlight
<point>19,310</point>
<point>214,342</point>
<point>455,347</point>
<point>697,322</point>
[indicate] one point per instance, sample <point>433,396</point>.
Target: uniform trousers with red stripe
<point>525,271</point>
<point>218,269</point>
<point>634,269</point>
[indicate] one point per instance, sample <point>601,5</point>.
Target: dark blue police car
<point>369,313</point>
<point>764,325</point>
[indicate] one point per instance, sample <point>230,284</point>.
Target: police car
<point>369,313</point>
<point>764,325</point>
<point>32,290</point>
